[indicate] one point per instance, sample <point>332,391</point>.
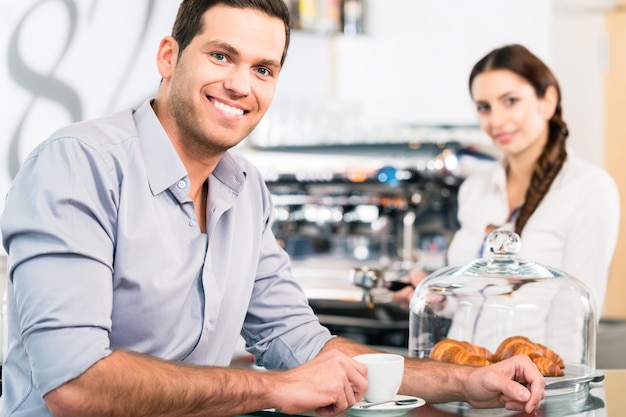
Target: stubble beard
<point>190,128</point>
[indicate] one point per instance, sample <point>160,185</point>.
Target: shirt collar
<point>230,172</point>
<point>163,166</point>
<point>499,176</point>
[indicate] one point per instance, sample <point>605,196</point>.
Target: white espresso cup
<point>384,375</point>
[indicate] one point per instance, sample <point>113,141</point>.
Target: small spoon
<point>405,401</point>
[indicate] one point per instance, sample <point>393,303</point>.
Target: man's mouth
<point>227,109</point>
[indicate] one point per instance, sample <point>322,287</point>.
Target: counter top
<point>602,399</point>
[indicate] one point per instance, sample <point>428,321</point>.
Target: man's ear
<point>549,102</point>
<point>167,56</point>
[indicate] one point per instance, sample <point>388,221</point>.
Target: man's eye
<point>219,56</point>
<point>264,71</point>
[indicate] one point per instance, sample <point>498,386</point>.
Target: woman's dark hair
<point>189,21</point>
<point>521,61</point>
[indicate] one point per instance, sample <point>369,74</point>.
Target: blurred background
<point>372,129</point>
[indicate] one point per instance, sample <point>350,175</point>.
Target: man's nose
<point>238,81</point>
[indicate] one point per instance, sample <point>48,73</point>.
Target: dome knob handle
<point>504,242</point>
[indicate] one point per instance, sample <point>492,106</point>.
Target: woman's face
<point>510,112</point>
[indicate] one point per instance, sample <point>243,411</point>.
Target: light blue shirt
<point>105,253</point>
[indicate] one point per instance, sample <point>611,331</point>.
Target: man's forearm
<point>433,381</point>
<point>126,384</point>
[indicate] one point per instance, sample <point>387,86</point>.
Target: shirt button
<point>192,223</point>
<point>182,184</point>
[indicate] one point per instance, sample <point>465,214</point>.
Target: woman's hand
<point>403,296</point>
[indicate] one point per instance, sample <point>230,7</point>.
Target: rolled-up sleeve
<point>61,290</point>
<point>280,327</point>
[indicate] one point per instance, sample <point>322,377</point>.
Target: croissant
<point>478,350</point>
<point>515,345</point>
<point>546,366</point>
<point>454,351</point>
<point>548,361</point>
<point>552,355</point>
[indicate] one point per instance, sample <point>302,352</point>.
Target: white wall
<point>67,60</point>
<point>436,43</point>
<point>412,66</point>
<point>580,59</point>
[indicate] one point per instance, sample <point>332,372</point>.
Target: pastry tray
<point>576,378</point>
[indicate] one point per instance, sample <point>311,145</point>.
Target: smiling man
<point>140,249</point>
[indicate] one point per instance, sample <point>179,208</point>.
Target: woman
<point>565,209</point>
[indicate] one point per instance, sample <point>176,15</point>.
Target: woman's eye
<point>482,108</point>
<point>510,101</point>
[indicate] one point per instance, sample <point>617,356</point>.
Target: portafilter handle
<point>366,278</point>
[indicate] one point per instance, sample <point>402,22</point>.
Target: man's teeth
<point>228,109</point>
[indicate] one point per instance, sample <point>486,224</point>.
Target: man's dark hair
<point>189,21</point>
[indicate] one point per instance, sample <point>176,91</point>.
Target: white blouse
<point>574,228</point>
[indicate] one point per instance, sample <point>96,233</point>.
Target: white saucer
<point>385,410</point>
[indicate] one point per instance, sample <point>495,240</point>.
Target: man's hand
<point>328,384</point>
<point>515,383</point>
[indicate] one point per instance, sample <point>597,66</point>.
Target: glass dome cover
<point>490,301</point>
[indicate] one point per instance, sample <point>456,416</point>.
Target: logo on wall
<point>69,60</point>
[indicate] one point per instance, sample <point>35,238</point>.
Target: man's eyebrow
<point>222,45</point>
<point>233,51</point>
<point>270,63</point>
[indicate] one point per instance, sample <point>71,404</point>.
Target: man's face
<point>224,81</point>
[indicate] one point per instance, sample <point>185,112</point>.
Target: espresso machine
<point>355,219</point>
